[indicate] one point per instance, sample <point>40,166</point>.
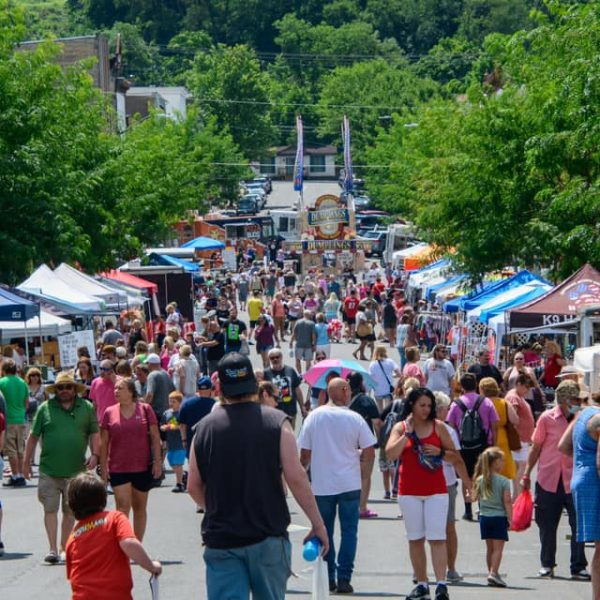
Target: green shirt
<point>493,506</point>
<point>65,435</point>
<point>15,392</point>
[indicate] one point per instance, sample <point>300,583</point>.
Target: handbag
<point>364,329</point>
<point>514,441</point>
<point>431,463</point>
<point>386,378</point>
<point>522,511</point>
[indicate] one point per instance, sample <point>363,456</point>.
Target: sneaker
<point>467,517</point>
<point>52,558</point>
<point>387,496</point>
<point>1,549</point>
<point>20,482</point>
<point>332,587</point>
<point>496,581</point>
<point>441,592</point>
<point>344,587</point>
<point>582,575</point>
<point>453,576</point>
<point>421,592</point>
<point>178,489</point>
<point>546,572</point>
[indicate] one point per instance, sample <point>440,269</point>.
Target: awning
<point>204,243</point>
<point>15,308</point>
<point>88,285</point>
<point>50,325</point>
<point>162,259</point>
<point>509,299</point>
<point>420,259</point>
<point>132,280</point>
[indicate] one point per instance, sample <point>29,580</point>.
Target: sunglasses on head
<point>64,386</point>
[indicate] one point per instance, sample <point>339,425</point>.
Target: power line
<point>301,104</point>
<point>270,165</point>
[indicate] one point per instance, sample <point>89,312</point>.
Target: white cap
<point>153,359</point>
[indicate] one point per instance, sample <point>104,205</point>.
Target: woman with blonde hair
<point>383,370</point>
<point>488,387</point>
<point>554,363</point>
<point>331,308</point>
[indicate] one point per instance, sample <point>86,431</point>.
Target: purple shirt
<point>487,412</point>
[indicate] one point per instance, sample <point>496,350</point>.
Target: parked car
<point>265,181</point>
<point>378,237</point>
<point>260,200</point>
<point>247,206</point>
<point>371,219</point>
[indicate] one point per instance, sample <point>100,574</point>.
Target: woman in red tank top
<point>422,442</point>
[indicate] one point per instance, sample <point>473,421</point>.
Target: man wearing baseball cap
<point>194,409</point>
<point>236,462</point>
<point>553,485</point>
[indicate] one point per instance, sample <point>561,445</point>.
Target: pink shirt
<point>487,413</point>
<point>526,422</point>
<point>414,370</point>
<point>128,439</point>
<point>552,464</point>
<point>102,394</point>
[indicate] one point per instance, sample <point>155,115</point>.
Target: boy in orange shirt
<point>101,544</point>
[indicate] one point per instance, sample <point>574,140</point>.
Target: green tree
<point>228,83</point>
<point>369,93</point>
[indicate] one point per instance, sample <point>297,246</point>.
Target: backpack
<point>472,433</point>
<point>390,421</point>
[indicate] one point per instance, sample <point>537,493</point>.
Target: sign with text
<point>327,245</point>
<point>68,344</point>
<point>331,215</point>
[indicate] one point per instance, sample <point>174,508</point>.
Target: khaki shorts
<point>50,492</point>
<point>14,446</point>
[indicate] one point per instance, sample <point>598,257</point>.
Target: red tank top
<point>415,479</point>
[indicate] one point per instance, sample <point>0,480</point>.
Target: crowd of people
<point>188,396</point>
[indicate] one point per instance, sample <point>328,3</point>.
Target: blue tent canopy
<point>431,291</point>
<point>490,290</point>
<point>15,308</point>
<point>204,243</point>
<point>163,259</point>
<point>499,309</point>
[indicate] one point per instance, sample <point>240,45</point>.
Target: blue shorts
<point>493,528</point>
<point>176,458</point>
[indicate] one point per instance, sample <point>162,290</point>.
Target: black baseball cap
<point>236,375</point>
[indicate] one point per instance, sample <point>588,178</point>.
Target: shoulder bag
<point>514,441</point>
<point>386,377</point>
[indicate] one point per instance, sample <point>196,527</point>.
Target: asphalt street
<point>284,196</point>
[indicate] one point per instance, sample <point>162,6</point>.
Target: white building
<point>319,163</point>
<point>172,100</point>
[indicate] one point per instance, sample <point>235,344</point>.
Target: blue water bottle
<point>312,549</point>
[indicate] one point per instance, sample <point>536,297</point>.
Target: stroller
<point>334,331</point>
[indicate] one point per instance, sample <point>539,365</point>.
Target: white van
<point>286,223</point>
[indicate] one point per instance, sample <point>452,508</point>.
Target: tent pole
<point>41,338</point>
<point>26,341</point>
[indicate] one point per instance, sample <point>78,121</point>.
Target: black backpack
<point>472,433</point>
<point>391,419</point>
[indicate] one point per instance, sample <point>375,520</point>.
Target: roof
<point>560,304</point>
<point>163,259</point>
<point>291,150</point>
<point>15,308</point>
<point>132,280</point>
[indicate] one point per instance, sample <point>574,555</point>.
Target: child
<point>175,449</point>
<point>495,508</point>
<point>322,335</point>
<point>101,544</point>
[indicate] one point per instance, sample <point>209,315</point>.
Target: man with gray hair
<point>329,440</point>
<point>553,485</point>
<point>305,337</point>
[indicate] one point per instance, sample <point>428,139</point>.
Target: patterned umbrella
<point>316,376</point>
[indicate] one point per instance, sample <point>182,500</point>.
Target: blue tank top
<point>584,446</point>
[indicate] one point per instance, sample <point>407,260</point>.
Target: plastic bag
<point>522,511</point>
<point>320,582</point>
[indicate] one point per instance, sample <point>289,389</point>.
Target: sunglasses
<point>276,357</point>
<point>105,369</point>
<point>64,386</point>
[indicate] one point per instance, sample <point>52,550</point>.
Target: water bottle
<point>312,549</point>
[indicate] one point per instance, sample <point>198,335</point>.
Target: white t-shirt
<point>438,374</point>
<point>377,370</point>
<point>191,371</point>
<point>449,472</point>
<point>334,435</point>
<point>371,275</point>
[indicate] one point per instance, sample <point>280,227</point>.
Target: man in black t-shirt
<point>235,332</point>
<point>485,369</point>
<point>215,346</point>
<point>287,381</point>
<point>239,453</point>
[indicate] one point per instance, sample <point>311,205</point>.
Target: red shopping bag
<point>522,511</point>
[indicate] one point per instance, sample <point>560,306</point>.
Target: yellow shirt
<point>254,308</point>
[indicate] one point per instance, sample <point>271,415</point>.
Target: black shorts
<point>470,457</point>
<point>493,528</point>
<point>253,324</point>
<point>349,320</point>
<point>141,481</point>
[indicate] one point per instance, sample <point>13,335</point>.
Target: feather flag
<point>348,176</point>
<point>299,163</point>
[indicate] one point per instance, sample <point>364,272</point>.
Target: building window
<point>283,224</point>
<point>267,165</point>
<point>317,163</point>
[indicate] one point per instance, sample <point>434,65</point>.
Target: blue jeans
<point>402,353</point>
<point>346,505</point>
<point>261,569</point>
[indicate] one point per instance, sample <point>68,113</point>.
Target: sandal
<point>368,514</point>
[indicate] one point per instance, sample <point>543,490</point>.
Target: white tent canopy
<point>50,325</point>
<point>43,282</point>
<point>113,297</point>
<point>400,255</point>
